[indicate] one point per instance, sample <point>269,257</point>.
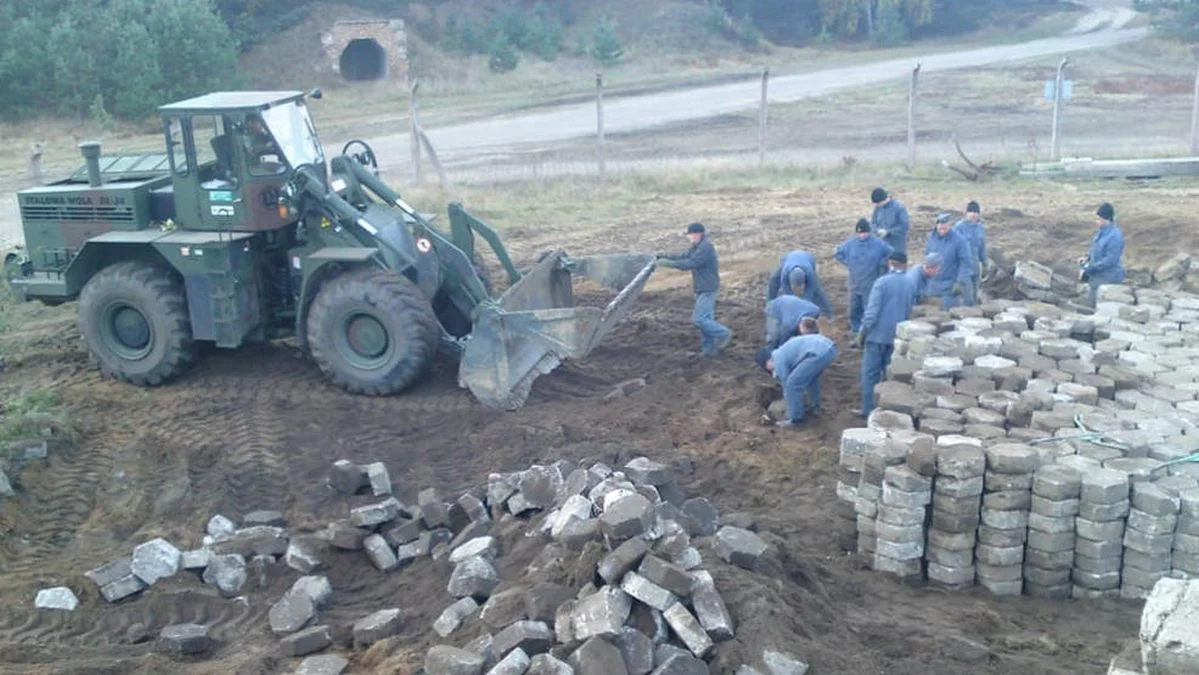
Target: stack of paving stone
<point>1019,372</point>
<point>1007,498</point>
<point>957,498</point>
<point>1148,539</point>
<point>855,445</point>
<point>1185,558</point>
<point>900,522</point>
<point>878,454</point>
<point>1049,556</point>
<point>1099,533</point>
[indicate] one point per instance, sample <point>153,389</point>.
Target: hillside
<point>451,44</point>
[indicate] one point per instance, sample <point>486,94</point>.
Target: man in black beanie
<point>704,264</point>
<point>971,227</point>
<point>890,220</point>
<point>1104,264</point>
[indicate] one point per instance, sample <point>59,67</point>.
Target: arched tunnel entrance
<point>363,59</point>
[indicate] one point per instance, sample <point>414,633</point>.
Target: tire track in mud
<point>254,465</point>
<point>54,501</point>
<point>90,631</point>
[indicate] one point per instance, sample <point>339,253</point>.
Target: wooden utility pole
<point>762,120</point>
<point>1195,118</point>
<point>912,118</point>
<point>418,175</point>
<point>599,124</point>
<point>1058,84</point>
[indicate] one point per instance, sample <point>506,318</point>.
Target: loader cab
<point>231,153</point>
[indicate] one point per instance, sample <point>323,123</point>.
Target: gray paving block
<point>744,548</point>
<point>1151,544</point>
<point>1008,500</point>
<point>1005,520</point>
<point>1048,560</point>
<point>688,629</point>
<point>1098,581</point>
<point>1012,458</point>
<point>1054,508</point>
<point>1150,524</point>
<point>186,638</point>
<point>1099,531</point>
<point>1056,482</point>
<point>1046,577</point>
<point>447,660</point>
<point>900,568</point>
<point>531,637</point>
<point>306,641</point>
<point>1053,543</point>
<point>993,536</point>
<point>1145,562</point>
<point>901,516</point>
<point>904,478</point>
<point>893,496</point>
<point>999,556</point>
<point>622,559</point>
<point>956,505</point>
<point>1051,525</point>
<point>600,614</point>
<point>953,541</point>
<point>899,533</point>
<point>1110,548</point>
<point>1104,512</point>
<point>961,462</point>
<point>905,550</point>
<point>1104,486</point>
<point>999,482</point>
<point>949,558</point>
<point>952,576</point>
<point>948,522</point>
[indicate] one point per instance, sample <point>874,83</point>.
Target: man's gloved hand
<point>956,288</point>
<point>858,339</point>
<point>882,233</point>
<point>1082,260</point>
<point>665,262</point>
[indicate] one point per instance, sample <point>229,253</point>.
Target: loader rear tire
<point>372,332</point>
<point>134,319</point>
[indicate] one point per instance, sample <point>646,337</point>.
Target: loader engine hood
<point>534,325</point>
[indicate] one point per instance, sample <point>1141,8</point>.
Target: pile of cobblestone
<point>638,599</point>
<point>1029,449</point>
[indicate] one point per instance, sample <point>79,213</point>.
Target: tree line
<point>122,58</point>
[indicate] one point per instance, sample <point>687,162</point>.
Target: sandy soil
<point>258,429</point>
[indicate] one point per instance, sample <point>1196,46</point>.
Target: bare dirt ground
<point>259,428</point>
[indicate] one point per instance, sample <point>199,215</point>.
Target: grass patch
<point>34,415</point>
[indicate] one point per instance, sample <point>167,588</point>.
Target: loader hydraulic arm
<point>461,222</point>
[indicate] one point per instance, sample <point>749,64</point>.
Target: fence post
<point>1055,144</point>
<point>599,124</point>
<point>418,175</point>
<point>912,118</point>
<point>762,120</point>
<point>1195,117</point>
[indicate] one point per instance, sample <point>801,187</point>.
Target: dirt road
<point>1101,28</point>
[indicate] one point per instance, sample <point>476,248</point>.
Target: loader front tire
<point>372,332</point>
<point>134,319</point>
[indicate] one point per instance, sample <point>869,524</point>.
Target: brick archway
<point>368,50</point>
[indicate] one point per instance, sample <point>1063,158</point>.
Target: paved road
<point>637,113</point>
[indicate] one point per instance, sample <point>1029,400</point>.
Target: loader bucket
<point>530,329</point>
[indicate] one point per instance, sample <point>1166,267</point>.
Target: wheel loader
<point>243,231</point>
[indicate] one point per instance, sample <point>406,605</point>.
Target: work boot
<point>856,412</point>
<point>724,342</point>
<point>788,424</point>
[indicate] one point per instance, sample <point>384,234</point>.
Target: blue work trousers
<point>970,292</point>
<point>804,380</point>
<point>704,318</point>
<point>857,309</point>
<point>875,359</point>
